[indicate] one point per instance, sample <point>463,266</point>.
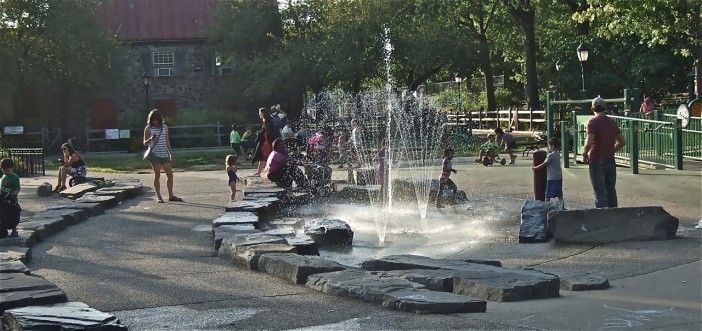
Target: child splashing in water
<point>447,169</point>
<point>230,164</point>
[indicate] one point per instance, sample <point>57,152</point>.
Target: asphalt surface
<point>153,265</point>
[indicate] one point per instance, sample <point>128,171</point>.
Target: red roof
<point>157,20</point>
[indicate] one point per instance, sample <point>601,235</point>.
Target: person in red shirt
<point>603,139</point>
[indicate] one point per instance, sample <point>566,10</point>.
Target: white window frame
<point>163,58</point>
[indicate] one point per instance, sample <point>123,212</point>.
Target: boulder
<point>533,227</point>
<point>9,267</point>
<point>609,225</point>
<point>503,284</point>
<point>229,244</point>
<point>295,268</point>
<point>19,290</point>
<point>405,262</point>
<point>578,281</point>
<point>62,316</point>
<point>430,302</point>
<point>44,190</point>
<point>93,209</point>
<point>329,232</point>
<point>447,195</point>
<point>235,218</point>
<point>78,191</point>
<point>358,193</point>
<point>435,280</point>
<point>358,284</point>
<point>226,231</point>
<point>304,245</point>
<point>15,254</point>
<point>106,201</point>
<point>247,256</point>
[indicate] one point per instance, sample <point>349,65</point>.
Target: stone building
<point>166,63</point>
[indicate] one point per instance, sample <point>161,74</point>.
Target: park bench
<point>531,145</point>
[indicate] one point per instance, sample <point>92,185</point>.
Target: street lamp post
<point>146,81</point>
<point>458,80</point>
<point>583,53</point>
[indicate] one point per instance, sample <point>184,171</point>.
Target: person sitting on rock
<point>71,164</point>
<point>281,169</point>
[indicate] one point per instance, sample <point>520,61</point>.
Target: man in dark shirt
<point>603,139</point>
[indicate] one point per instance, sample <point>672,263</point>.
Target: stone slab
<point>69,215</point>
<point>9,267</point>
<point>19,290</point>
<point>258,206</point>
<point>533,226</point>
<point>78,191</point>
<point>93,209</point>
<point>404,262</point>
<point>358,284</point>
<point>131,189</point>
<point>578,281</point>
<point>287,221</point>
<point>609,225</point>
<point>283,232</point>
<point>430,302</point>
<point>435,280</point>
<point>329,232</point>
<point>62,316</point>
<point>106,201</point>
<point>248,256</point>
<point>234,218</point>
<point>226,231</point>
<point>15,254</point>
<point>296,268</point>
<point>503,284</point>
<point>260,191</point>
<point>229,244</point>
<point>357,193</point>
<point>304,245</point>
<point>120,194</point>
<point>25,238</point>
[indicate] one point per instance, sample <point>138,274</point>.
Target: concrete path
<point>152,264</point>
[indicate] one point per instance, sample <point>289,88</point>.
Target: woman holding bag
<point>265,139</point>
<point>159,153</point>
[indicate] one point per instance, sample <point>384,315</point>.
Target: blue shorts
<point>155,160</point>
<point>554,188</point>
<point>512,145</point>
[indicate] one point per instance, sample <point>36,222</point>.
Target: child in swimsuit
<point>230,164</point>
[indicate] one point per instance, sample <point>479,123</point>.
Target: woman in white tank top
<point>156,137</point>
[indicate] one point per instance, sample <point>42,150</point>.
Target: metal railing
<point>510,118</point>
<point>27,161</point>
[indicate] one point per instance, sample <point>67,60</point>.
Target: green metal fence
<point>691,136</point>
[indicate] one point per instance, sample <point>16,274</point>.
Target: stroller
<point>317,168</point>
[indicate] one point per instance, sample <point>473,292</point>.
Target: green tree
<point>54,57</point>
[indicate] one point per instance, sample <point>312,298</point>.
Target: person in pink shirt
<point>281,169</point>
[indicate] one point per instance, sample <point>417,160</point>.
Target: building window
<point>163,58</point>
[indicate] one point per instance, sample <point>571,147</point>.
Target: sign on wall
<point>111,134</point>
<point>13,130</point>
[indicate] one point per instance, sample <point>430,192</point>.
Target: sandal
<point>175,199</point>
<point>159,200</point>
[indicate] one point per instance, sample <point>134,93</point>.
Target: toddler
<point>554,176</point>
<point>447,169</point>
<point>230,164</point>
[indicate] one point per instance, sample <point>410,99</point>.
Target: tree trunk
<point>698,73</point>
<point>486,68</point>
<point>532,86</point>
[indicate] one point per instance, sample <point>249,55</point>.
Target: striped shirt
<point>159,147</point>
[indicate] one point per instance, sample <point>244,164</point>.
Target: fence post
<point>627,104</point>
<point>565,150</point>
<point>219,134</point>
<point>549,115</point>
<point>480,118</point>
<point>678,143</point>
<point>509,120</point>
<point>634,139</point>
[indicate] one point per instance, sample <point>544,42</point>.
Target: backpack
<point>276,120</point>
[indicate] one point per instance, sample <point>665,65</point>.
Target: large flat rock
<point>230,244</point>
<point>433,279</point>
<point>19,290</point>
<point>10,267</point>
<point>503,284</point>
<point>78,191</point>
<point>226,231</point>
<point>296,268</point>
<point>120,194</point>
<point>25,238</point>
<point>93,209</point>
<point>129,191</point>
<point>264,191</point>
<point>609,225</point>
<point>304,245</point>
<point>404,262</point>
<point>70,216</point>
<point>259,206</point>
<point>533,226</point>
<point>358,284</point>
<point>329,232</point>
<point>430,302</point>
<point>13,253</point>
<point>248,256</point>
<point>106,201</point>
<point>62,316</point>
<point>578,281</point>
<point>234,218</point>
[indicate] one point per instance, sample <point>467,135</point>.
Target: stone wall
<point>192,85</point>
